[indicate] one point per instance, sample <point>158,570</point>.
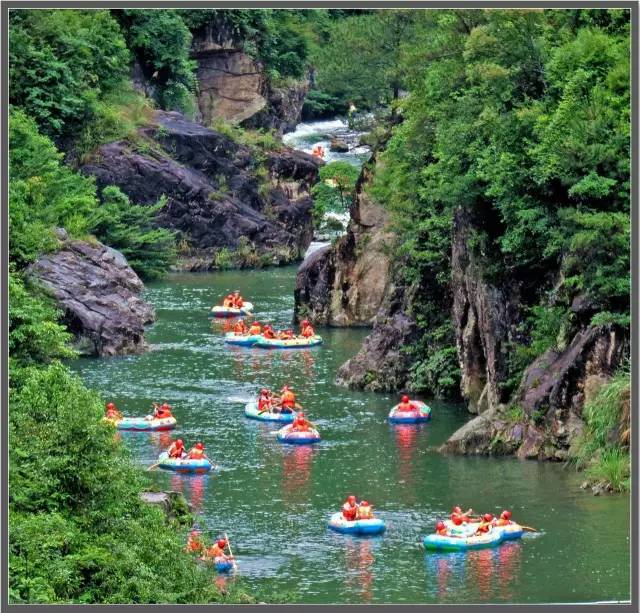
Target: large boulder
<point>99,295</point>
<point>218,194</point>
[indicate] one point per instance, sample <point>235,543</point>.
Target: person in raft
<point>286,335</point>
<point>238,301</point>
<point>350,508</point>
<point>111,411</point>
<point>240,329</point>
<point>364,511</point>
<point>318,151</point>
<point>268,332</point>
<point>265,400</point>
<point>300,424</point>
<point>255,328</point>
<point>176,449</point>
<point>217,551</point>
<point>161,411</point>
<point>459,518</point>
<point>486,524</point>
<point>306,329</point>
<point>228,302</point>
<point>406,405</point>
<point>288,400</point>
<point>194,543</point>
<point>197,452</point>
<point>504,519</point>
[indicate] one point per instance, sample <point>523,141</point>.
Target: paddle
<point>235,566</point>
<point>528,528</point>
<point>154,466</point>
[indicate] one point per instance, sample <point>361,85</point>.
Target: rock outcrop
<point>99,295</point>
<point>233,86</point>
<point>484,319</point>
<point>219,194</point>
<point>345,285</point>
<point>545,420</point>
<point>381,364</point>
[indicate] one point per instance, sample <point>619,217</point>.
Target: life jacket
<point>194,544</point>
<point>442,531</point>
<point>215,552</point>
<point>349,512</point>
<point>288,399</point>
<point>240,328</point>
<point>503,522</point>
<point>406,406</point>
<point>300,425</point>
<point>238,301</point>
<point>162,413</point>
<point>365,512</point>
<point>175,451</point>
<point>253,330</point>
<point>268,333</point>
<point>227,302</point>
<point>264,402</point>
<point>308,331</point>
<point>113,414</point>
<point>196,454</point>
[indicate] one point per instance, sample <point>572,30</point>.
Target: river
<point>274,501</point>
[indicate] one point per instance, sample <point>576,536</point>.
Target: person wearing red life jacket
<point>161,411</point>
<point>176,450</point>
<point>194,543</point>
<point>264,401</point>
<point>300,424</point>
<point>441,529</point>
<point>288,400</point>
<point>196,452</point>
<point>268,332</point>
<point>238,301</point>
<point>350,508</point>
<point>306,329</point>
<point>228,302</point>
<point>406,404</point>
<point>111,411</point>
<point>240,328</point>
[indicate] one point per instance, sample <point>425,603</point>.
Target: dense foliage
<point>522,118</point>
<point>336,189</point>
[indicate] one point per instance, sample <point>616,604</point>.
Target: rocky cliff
<point>219,194</point>
<point>233,86</point>
<point>347,283</point>
<point>99,295</point>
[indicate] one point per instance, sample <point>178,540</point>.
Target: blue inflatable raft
<point>361,527</point>
<point>184,465</point>
<point>421,414</point>
<point>244,340</point>
<point>464,537</point>
<point>291,343</point>
<point>251,411</point>
<point>285,435</point>
<point>143,424</point>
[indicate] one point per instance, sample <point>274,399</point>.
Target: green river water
<point>274,500</point>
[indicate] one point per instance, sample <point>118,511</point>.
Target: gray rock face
<point>233,86</point>
<point>551,397</point>
<point>381,365</point>
<point>100,297</point>
<point>215,196</point>
<point>347,284</point>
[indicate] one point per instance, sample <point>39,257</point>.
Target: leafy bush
<point>612,467</point>
<point>131,229</point>
<point>62,63</point>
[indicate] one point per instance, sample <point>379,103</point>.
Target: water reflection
<point>359,560</point>
<point>488,573</point>
<point>296,471</point>
<point>407,437</point>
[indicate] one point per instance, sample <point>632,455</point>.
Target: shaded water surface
<point>274,501</point>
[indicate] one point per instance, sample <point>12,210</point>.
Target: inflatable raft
<point>142,424</point>
<point>464,537</point>
<point>410,417</point>
<point>292,343</point>
<point>244,340</point>
<point>251,411</point>
<point>184,465</point>
<point>220,311</point>
<point>360,527</point>
<point>222,565</point>
<point>285,435</point>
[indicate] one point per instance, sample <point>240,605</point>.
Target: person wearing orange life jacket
<point>350,508</point>
<point>306,329</point>
<point>286,335</point>
<point>228,302</point>
<point>240,329</point>
<point>406,404</point>
<point>161,412</point>
<point>264,401</point>
<point>504,519</point>
<point>255,328</point>
<point>441,529</point>
<point>196,452</point>
<point>485,525</point>
<point>268,332</point>
<point>111,411</point>
<point>194,543</point>
<point>176,450</point>
<point>364,511</point>
<point>288,400</point>
<point>238,301</point>
<point>217,550</point>
<point>300,423</point>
